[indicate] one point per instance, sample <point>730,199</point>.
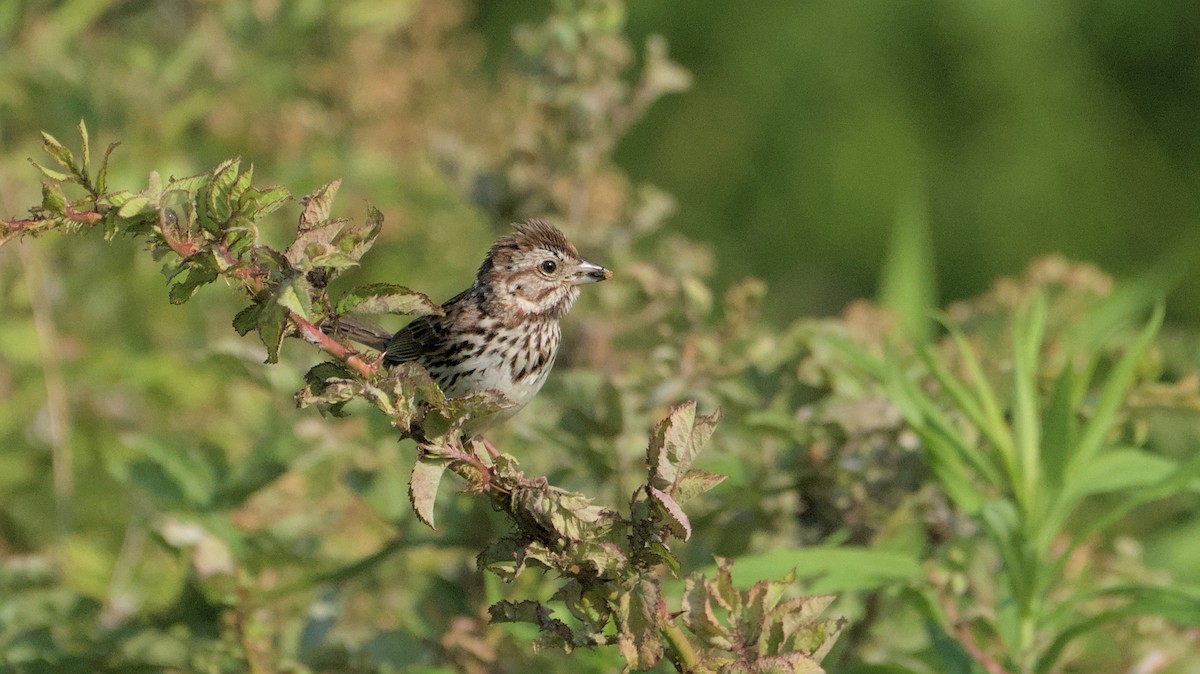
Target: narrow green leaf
<point>240,186</point>
<point>907,286</point>
<point>1028,331</point>
<point>86,150</point>
<point>218,198</point>
<point>191,184</point>
<point>102,174</point>
<point>1112,395</point>
<point>50,173</point>
<point>58,152</point>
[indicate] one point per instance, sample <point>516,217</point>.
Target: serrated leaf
<point>257,203</point>
<point>675,442</point>
<point>554,632</point>
<point>329,386</point>
<point>699,616</point>
<point>87,152</point>
<point>190,184</point>
<point>135,205</point>
<point>240,186</point>
<point>218,197</point>
<point>295,294</point>
<point>199,272</point>
<point>247,319</point>
<point>50,173</point>
<point>639,614</point>
<point>386,298</point>
<point>560,513</point>
<point>694,483</point>
<point>58,152</point>
<point>318,205</point>
<point>422,487</point>
<point>355,240</point>
<point>102,174</point>
<point>272,324</point>
<point>677,520</point>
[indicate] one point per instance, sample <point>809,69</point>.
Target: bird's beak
<point>588,272</point>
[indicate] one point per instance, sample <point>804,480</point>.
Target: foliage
<point>164,506</point>
<point>209,223</point>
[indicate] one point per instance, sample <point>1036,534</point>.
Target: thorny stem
<point>252,278</point>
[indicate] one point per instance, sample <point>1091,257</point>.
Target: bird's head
<point>535,271</point>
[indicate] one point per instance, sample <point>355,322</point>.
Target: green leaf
<point>329,385</point>
<point>272,324</point>
<point>102,174</point>
<point>50,173</point>
<point>1112,395</point>
<point>907,286</point>
<point>87,151</point>
<point>296,294</point>
<point>240,186</point>
<point>58,152</point>
<point>422,488</point>
<point>257,203</point>
<point>694,483</point>
<point>386,298</point>
<point>247,319</point>
<point>200,271</point>
<point>218,196</point>
<point>53,199</point>
<point>135,205</point>
<point>191,184</point>
<point>564,515</point>
<point>639,613</point>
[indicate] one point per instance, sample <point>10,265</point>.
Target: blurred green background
<point>992,131</point>
<point>1016,128</point>
<point>1021,127</point>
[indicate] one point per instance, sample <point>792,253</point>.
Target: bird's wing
<point>367,334</point>
<point>415,339</point>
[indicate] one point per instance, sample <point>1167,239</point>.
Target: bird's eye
<point>548,266</point>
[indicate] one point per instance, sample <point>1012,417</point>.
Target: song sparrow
<point>502,333</point>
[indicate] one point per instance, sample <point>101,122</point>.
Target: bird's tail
<point>367,334</point>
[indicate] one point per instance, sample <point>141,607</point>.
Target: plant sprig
<point>205,227</point>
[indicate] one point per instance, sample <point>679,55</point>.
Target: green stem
<point>683,655</point>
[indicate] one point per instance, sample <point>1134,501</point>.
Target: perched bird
<point>502,333</point>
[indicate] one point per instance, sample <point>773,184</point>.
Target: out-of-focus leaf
<point>422,488</point>
<point>639,613</point>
